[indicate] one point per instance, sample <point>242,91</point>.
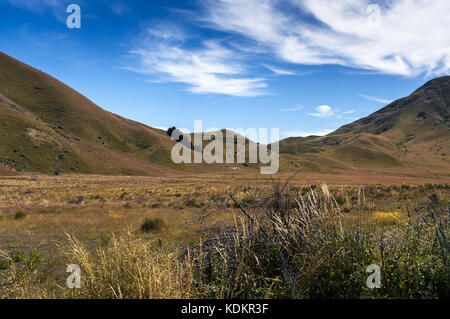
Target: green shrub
<point>34,257</point>
<point>18,256</point>
<point>152,224</point>
<point>106,240</point>
<point>339,200</point>
<point>5,262</point>
<point>20,215</point>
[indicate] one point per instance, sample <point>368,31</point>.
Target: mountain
<point>45,126</point>
<point>412,132</point>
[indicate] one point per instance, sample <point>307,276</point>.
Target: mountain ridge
<point>47,127</point>
<point>96,140</point>
<point>411,131</point>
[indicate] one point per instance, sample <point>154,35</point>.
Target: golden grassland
<point>49,222</point>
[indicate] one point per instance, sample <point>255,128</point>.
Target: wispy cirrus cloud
<point>306,32</point>
<point>292,109</point>
<point>166,31</point>
<point>317,32</point>
<point>277,70</point>
<point>211,68</point>
<point>376,99</point>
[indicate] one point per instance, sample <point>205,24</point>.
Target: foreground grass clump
<point>128,268</point>
<point>304,247</point>
<point>290,247</point>
<point>131,268</point>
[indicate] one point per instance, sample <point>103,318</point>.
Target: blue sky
<point>305,67</point>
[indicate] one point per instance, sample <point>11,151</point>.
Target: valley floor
<point>38,213</point>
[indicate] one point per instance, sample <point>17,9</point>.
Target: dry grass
<point>131,268</point>
<point>105,215</point>
<point>388,218</point>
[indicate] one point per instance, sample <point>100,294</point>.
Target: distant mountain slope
<point>424,112</point>
<point>46,126</point>
<point>411,132</point>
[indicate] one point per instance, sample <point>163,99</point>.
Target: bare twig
<point>240,207</point>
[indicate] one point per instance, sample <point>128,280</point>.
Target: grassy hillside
<point>47,126</point>
<point>410,132</point>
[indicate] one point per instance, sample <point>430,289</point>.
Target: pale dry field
<point>38,212</point>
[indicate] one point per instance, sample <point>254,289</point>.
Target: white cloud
<point>327,112</point>
<point>278,70</point>
<point>410,37</point>
<point>285,134</point>
<point>292,109</point>
<point>167,31</point>
<point>156,81</point>
<point>209,69</point>
<point>323,111</point>
<point>376,99</point>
